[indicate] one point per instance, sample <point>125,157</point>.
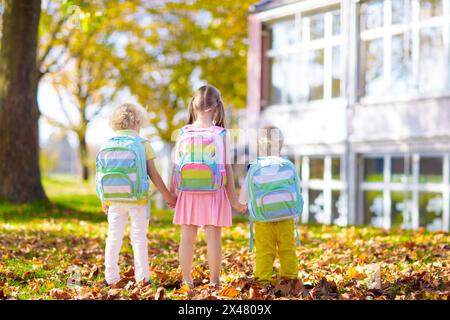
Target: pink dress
<point>202,209</point>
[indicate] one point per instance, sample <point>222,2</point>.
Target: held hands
<point>105,208</point>
<point>171,200</point>
<point>241,208</point>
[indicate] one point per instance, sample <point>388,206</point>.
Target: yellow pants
<point>272,238</point>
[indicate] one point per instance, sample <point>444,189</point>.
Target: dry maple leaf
<point>120,284</point>
<point>129,285</point>
<point>113,293</point>
<point>56,293</point>
<point>93,272</point>
<point>282,288</point>
<point>230,292</point>
<point>183,289</point>
<point>296,286</point>
<point>327,288</point>
<point>146,292</point>
<point>256,293</point>
<point>130,272</point>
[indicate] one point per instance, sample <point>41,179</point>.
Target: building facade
<point>361,91</point>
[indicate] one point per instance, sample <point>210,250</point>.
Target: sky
<point>49,104</point>
<point>98,130</point>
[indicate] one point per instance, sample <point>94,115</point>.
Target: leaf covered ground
<point>56,252</point>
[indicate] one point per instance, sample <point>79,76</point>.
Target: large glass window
<point>373,58</point>
<point>401,11</point>
<point>316,206</point>
<point>373,14</point>
<point>317,26</point>
<point>373,169</point>
<point>316,168</point>
<point>338,209</point>
<point>373,208</point>
<point>336,72</point>
<point>430,8</point>
<point>401,63</point>
<point>432,60</point>
<point>401,169</point>
<point>336,168</point>
<point>325,190</point>
<point>301,45</point>
<point>336,22</point>
<point>283,33</point>
<point>316,76</point>
<point>430,210</point>
<point>401,210</point>
<point>408,193</point>
<point>431,170</point>
<point>277,76</point>
<point>400,68</point>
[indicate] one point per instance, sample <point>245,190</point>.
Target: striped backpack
<point>200,159</point>
<point>121,170</point>
<point>273,192</point>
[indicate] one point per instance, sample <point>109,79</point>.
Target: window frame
<point>304,46</point>
<point>386,32</point>
<point>326,185</point>
<point>411,185</point>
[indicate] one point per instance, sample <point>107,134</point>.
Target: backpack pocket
<point>197,177</point>
<point>117,186</point>
<point>277,204</point>
<point>275,199</point>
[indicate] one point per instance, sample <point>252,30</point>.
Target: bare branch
<point>50,46</point>
<point>58,124</point>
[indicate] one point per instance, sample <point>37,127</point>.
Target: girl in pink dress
<point>212,211</point>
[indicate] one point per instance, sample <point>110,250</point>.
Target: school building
<point>361,91</point>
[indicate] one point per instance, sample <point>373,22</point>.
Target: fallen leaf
<point>2,294</point>
<point>230,292</point>
<point>129,273</point>
<point>160,293</point>
<point>56,293</point>
<point>113,293</point>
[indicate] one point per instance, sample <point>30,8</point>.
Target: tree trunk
<point>84,156</point>
<point>20,178</point>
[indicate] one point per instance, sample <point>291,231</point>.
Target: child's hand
<point>241,208</point>
<point>105,208</point>
<point>172,200</point>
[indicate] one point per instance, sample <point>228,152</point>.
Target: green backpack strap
<point>297,236</point>
<point>250,249</point>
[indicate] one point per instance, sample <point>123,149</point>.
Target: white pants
<point>117,220</point>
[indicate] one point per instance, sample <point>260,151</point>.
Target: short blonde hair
<point>270,141</point>
<point>127,116</point>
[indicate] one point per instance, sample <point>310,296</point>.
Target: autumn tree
<point>19,147</point>
<point>199,41</point>
<point>85,59</point>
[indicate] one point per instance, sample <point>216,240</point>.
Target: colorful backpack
<point>121,170</point>
<point>200,159</point>
<point>274,192</point>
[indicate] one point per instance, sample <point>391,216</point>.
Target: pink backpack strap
<point>216,129</point>
<point>219,130</point>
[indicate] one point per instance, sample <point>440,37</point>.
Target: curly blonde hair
<point>127,116</point>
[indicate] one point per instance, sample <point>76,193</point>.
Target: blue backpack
<point>274,192</point>
<point>121,170</point>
